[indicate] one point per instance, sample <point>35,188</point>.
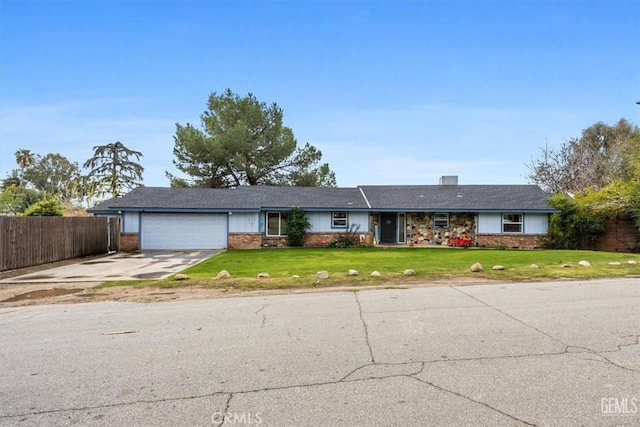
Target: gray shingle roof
<point>381,197</point>
<point>457,197</point>
<point>241,198</point>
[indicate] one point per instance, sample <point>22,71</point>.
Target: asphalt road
<point>564,353</point>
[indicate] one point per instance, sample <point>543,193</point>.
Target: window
<point>339,220</point>
<point>277,223</point>
<point>402,228</point>
<point>512,223</point>
<point>441,219</point>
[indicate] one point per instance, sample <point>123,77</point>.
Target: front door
<point>388,227</point>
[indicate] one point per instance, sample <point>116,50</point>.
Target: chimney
<point>449,180</point>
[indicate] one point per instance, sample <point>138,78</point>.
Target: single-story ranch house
<point>255,216</point>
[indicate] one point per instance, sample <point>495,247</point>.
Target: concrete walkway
<point>564,353</point>
<point>118,266</point>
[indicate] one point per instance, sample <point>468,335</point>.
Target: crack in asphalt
<point>344,379</point>
<point>474,401</point>
<point>568,350</point>
<point>264,316</point>
<point>567,346</point>
<point>366,329</point>
<point>226,410</point>
<point>512,317</point>
<point>636,341</point>
<point>115,405</point>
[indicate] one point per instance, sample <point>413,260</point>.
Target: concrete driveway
<point>118,266</point>
<point>561,354</point>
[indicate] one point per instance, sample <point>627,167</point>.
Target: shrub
<point>297,226</point>
<point>573,227</point>
<point>46,207</point>
<point>349,239</point>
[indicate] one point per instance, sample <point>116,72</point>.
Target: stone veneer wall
<point>421,232</point>
<point>129,242</point>
<point>524,241</point>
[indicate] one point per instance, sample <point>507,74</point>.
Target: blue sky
<point>392,92</point>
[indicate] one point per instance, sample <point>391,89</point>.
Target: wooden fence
<point>32,241</point>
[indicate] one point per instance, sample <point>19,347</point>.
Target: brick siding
<point>257,240</point>
<point>620,236</point>
<point>525,241</point>
<point>129,242</point>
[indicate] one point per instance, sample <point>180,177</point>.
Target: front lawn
<point>429,264</point>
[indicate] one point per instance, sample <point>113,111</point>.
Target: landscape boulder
<point>632,262</point>
<point>263,275</point>
<point>614,263</point>
<point>181,276</point>
<point>353,272</point>
<point>324,274</point>
<point>534,266</point>
<point>224,274</point>
<point>375,274</point>
<point>476,268</point>
<point>498,267</point>
<point>584,263</point>
<point>409,272</point>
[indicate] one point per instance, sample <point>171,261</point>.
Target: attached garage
<point>183,231</point>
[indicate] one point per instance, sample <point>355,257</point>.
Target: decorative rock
<point>295,276</point>
<point>224,274</point>
<point>181,276</point>
<point>375,274</point>
<point>565,266</point>
<point>477,267</point>
<point>353,272</point>
<point>584,263</point>
<point>322,274</point>
<point>409,272</point>
<point>614,263</point>
<point>263,275</point>
<point>534,266</point>
<point>498,267</point>
<point>632,262</point>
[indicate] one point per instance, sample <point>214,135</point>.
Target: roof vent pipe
<point>449,180</point>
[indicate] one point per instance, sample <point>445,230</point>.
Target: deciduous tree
<point>599,156</point>
<point>52,173</point>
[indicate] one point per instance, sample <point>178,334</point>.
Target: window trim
<point>345,219</point>
<point>509,222</point>
<point>441,226</point>
<point>280,224</point>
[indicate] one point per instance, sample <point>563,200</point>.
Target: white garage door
<point>183,231</point>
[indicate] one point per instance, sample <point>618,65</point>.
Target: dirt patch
<point>83,292</point>
<point>42,293</point>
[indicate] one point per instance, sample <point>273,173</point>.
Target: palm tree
<point>24,158</point>
<point>111,168</point>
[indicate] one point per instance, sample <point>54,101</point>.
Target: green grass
<point>429,263</point>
